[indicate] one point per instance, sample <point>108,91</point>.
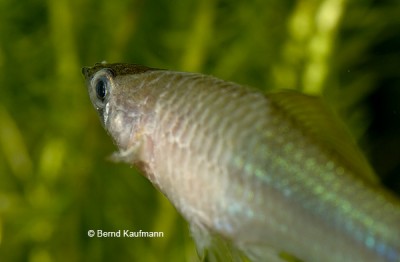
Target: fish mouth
<point>88,72</point>
<point>85,72</point>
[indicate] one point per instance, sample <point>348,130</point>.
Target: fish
<point>263,176</point>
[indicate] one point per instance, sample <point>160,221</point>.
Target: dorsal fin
<point>312,114</point>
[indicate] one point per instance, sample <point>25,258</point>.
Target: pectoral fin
<point>214,248</point>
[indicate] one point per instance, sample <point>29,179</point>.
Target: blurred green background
<point>55,181</point>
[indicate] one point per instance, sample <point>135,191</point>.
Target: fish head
<point>112,92</point>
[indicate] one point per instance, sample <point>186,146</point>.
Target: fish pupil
<point>101,89</point>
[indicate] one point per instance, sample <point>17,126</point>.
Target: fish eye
<point>101,89</point>
<point>101,85</point>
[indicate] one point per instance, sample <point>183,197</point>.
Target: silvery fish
<point>273,177</point>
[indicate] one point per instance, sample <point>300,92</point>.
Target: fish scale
<point>271,174</point>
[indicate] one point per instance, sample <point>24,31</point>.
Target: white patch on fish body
<point>106,113</point>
